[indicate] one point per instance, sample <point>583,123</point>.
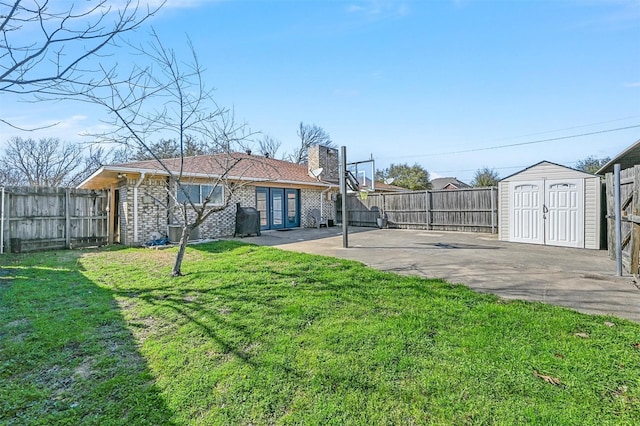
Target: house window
<point>198,193</point>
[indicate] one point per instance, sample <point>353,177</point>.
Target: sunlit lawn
<point>254,335</point>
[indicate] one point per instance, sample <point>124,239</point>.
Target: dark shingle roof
<point>237,166</point>
<point>442,183</point>
<point>627,159</point>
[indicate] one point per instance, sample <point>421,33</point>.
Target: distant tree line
<point>52,162</point>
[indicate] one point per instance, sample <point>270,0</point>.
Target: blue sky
<point>410,81</point>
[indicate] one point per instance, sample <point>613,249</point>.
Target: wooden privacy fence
<point>52,218</point>
<point>471,210</point>
<point>630,217</point>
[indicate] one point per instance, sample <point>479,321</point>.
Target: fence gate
<point>53,218</point>
<point>630,218</point>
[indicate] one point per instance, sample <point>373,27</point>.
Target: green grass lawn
<point>255,335</point>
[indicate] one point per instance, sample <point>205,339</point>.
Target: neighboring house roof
<point>546,162</point>
<point>627,159</point>
<point>238,166</point>
<point>448,183</point>
<point>383,187</point>
<point>380,186</point>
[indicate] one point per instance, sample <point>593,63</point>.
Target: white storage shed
<point>550,204</point>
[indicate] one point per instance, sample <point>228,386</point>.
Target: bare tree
<point>46,43</point>
<point>170,148</point>
<point>186,108</point>
<point>97,157</point>
<point>45,162</point>
<point>269,146</point>
<point>309,135</point>
<point>9,176</point>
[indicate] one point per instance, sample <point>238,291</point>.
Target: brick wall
<point>310,199</point>
<point>222,223</point>
<point>154,215</point>
<point>327,159</point>
<point>152,210</point>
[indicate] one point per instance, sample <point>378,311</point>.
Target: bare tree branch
<point>43,43</point>
<point>310,135</point>
<point>45,162</point>
<point>269,146</point>
<point>167,99</point>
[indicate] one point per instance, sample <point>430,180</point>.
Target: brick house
<point>143,202</point>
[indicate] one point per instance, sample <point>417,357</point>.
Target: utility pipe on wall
<point>618,223</point>
<point>135,207</point>
<point>322,199</point>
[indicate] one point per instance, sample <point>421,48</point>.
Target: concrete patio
<point>580,279</point>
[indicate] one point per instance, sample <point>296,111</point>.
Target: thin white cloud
<point>183,4</point>
<point>379,9</point>
<point>74,128</point>
<point>636,84</point>
<point>621,15</point>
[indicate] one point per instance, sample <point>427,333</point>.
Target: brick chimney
<point>326,158</point>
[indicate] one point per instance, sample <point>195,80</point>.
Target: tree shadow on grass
<point>66,354</point>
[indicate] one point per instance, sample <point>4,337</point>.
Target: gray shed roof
<point>627,159</point>
<point>545,162</point>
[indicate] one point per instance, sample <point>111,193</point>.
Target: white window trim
<point>202,196</point>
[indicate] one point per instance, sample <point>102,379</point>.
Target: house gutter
<point>135,207</point>
<point>158,172</point>
<point>2,220</point>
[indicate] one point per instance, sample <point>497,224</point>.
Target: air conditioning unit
<point>174,232</point>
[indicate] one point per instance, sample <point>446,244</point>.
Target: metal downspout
<point>322,199</point>
<point>135,207</point>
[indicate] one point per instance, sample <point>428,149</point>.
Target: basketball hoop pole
<point>343,193</point>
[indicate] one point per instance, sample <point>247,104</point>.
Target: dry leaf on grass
<point>551,380</point>
<point>583,335</point>
<point>636,345</point>
<point>609,324</point>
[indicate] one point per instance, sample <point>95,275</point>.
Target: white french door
<point>547,212</point>
<point>564,202</point>
<point>527,201</point>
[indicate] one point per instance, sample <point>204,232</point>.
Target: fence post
<point>384,204</point>
<point>2,221</point>
<point>429,195</point>
<point>343,191</point>
<point>7,218</point>
<point>493,205</point>
<point>635,226</point>
<point>67,218</point>
<point>617,219</point>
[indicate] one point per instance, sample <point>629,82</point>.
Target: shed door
<point>526,211</point>
<point>564,213</point>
